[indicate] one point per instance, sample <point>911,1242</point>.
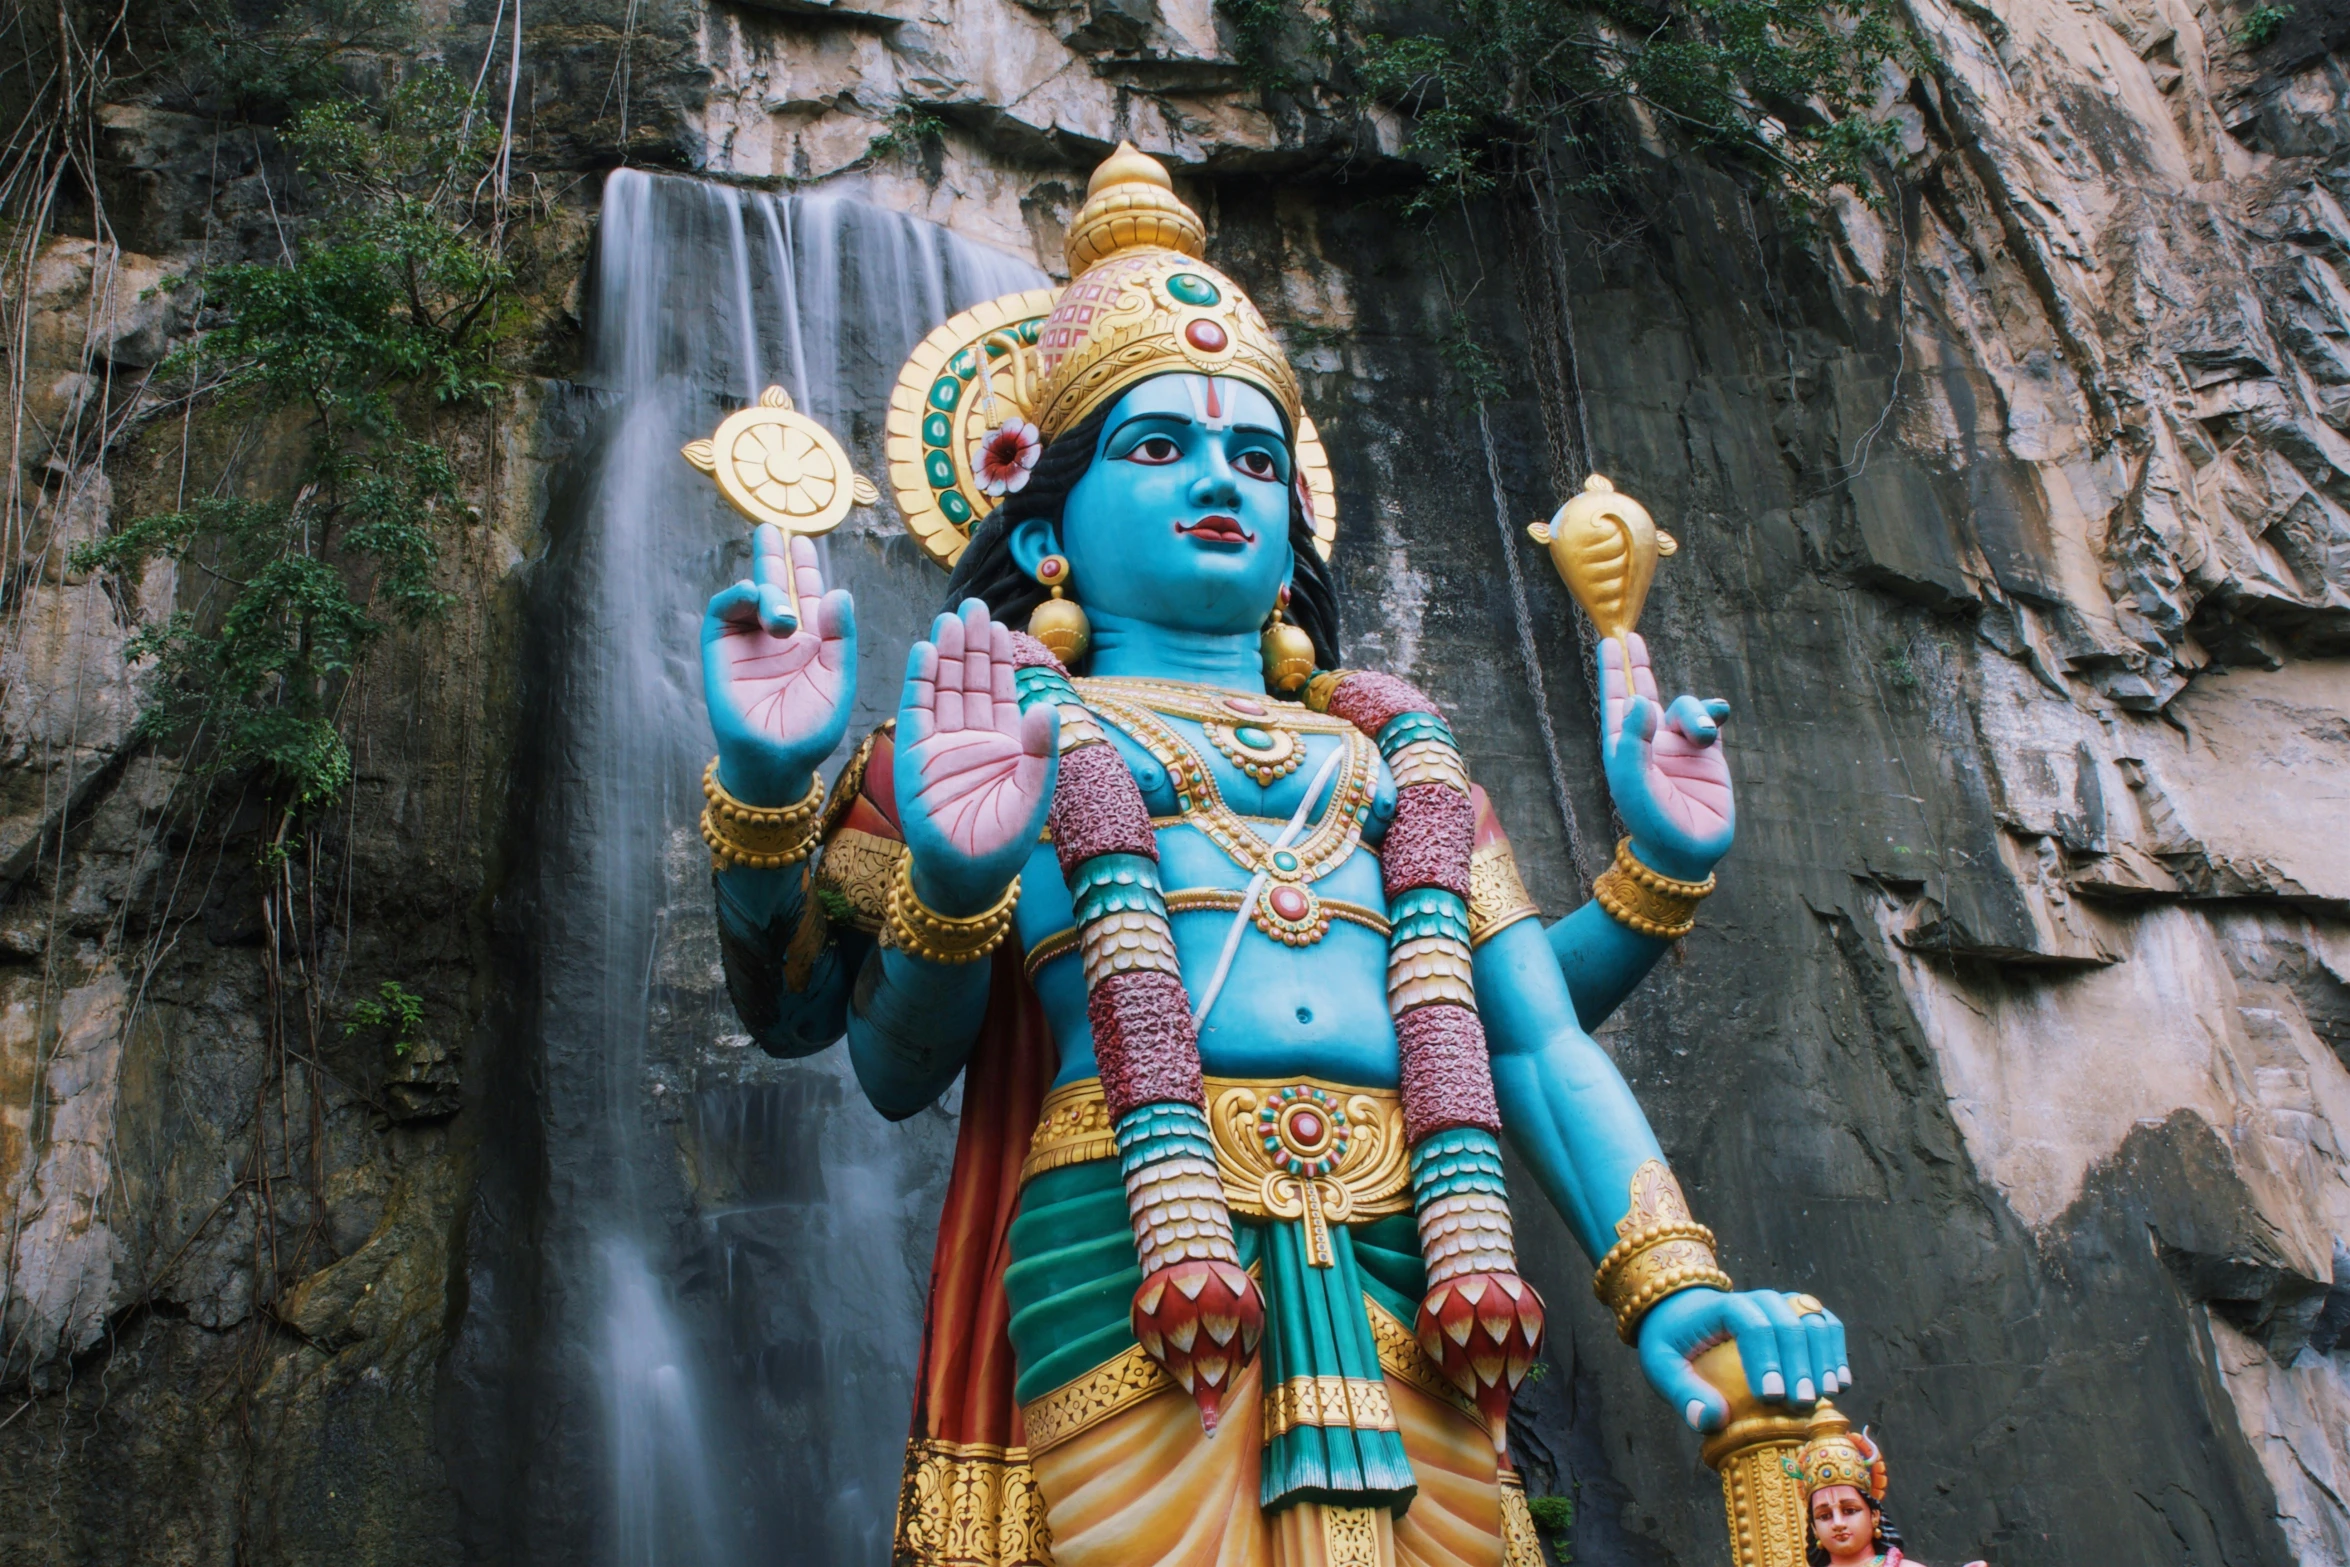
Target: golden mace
<point>1754,1453</point>
<point>1606,546</point>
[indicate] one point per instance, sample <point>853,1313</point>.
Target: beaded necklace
<point>1287,909</point>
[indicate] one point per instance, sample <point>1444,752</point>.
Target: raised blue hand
<point>779,658</point>
<point>1671,785</point>
<point>974,776</point>
<point>1669,778</point>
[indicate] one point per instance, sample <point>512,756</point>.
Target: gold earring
<point>1059,623</point>
<point>1288,652</point>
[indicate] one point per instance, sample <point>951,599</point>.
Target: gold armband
<point>1659,1249</point>
<point>1643,900</point>
<point>1497,897</point>
<point>759,837</point>
<point>920,931</point>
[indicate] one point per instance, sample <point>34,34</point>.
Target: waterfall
<point>696,1274</point>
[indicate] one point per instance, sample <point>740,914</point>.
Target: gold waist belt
<point>1293,1148</point>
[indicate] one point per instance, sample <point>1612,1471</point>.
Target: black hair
<point>988,572</point>
<point>1885,1536</point>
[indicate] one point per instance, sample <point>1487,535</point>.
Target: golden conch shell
<point>775,464</point>
<point>1605,546</point>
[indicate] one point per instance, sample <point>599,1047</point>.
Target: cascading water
<point>696,1274</point>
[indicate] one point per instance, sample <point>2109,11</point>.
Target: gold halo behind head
<point>1140,303</point>
<point>961,383</point>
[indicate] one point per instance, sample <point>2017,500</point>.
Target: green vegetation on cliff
<point>395,297</point>
<point>1493,88</point>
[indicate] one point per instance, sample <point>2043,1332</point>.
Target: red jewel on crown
<point>1205,336</point>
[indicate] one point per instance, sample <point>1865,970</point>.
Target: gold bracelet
<point>1647,901</point>
<point>1652,1262</point>
<point>761,837</point>
<point>920,931</point>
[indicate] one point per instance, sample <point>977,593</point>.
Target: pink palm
<point>1685,777</point>
<point>974,772</point>
<point>783,689</point>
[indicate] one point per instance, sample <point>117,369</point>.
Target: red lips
<point>1217,529</point>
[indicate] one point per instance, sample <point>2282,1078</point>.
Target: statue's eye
<point>1257,465</point>
<point>1156,450</point>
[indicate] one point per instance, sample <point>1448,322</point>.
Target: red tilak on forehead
<point>1215,407</point>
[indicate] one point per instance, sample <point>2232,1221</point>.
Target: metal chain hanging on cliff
<point>1536,271</point>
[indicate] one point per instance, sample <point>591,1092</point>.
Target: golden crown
<point>1141,303</point>
<point>1020,370</point>
<point>1841,1458</point>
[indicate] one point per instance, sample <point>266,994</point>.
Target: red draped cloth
<point>968,1498</point>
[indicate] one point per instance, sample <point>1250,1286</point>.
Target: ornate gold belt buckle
<point>1302,1150</point>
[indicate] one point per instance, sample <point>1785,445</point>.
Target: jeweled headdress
<point>982,393</point>
<point>1841,1458</point>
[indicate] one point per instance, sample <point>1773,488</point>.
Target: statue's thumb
<point>1698,1402</point>
<point>1040,730</point>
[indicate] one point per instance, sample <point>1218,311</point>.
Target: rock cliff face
<point>2016,525</point>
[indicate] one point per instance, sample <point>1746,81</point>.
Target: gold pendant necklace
<point>1264,750</point>
<point>1287,908</point>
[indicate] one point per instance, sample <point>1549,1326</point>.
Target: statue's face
<point>1840,1518</point>
<point>1183,519</point>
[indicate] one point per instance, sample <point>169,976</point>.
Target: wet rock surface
<point>2015,530</point>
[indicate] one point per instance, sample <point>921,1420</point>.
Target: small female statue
<point>1843,1494</point>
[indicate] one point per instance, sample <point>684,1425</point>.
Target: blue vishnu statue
<point>1229,949</point>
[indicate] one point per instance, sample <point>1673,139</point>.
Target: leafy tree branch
<point>399,297</point>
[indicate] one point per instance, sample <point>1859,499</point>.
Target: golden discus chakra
<point>776,465</point>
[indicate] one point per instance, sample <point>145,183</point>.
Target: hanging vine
<point>322,369</point>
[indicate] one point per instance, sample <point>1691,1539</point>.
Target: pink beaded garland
<point>1429,841</point>
<point>1369,701</point>
<point>1143,1041</point>
<point>1447,1076</point>
<point>1028,653</point>
<point>1098,809</point>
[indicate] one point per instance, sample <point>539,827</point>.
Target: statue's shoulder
<point>1497,897</point>
<point>861,839</point>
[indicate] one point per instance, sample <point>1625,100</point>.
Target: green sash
<point>1071,1285</point>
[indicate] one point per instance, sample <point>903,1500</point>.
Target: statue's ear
<point>1033,538</point>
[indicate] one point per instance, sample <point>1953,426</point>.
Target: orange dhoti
<point>1045,1437</point>
<point>1145,1487</point>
